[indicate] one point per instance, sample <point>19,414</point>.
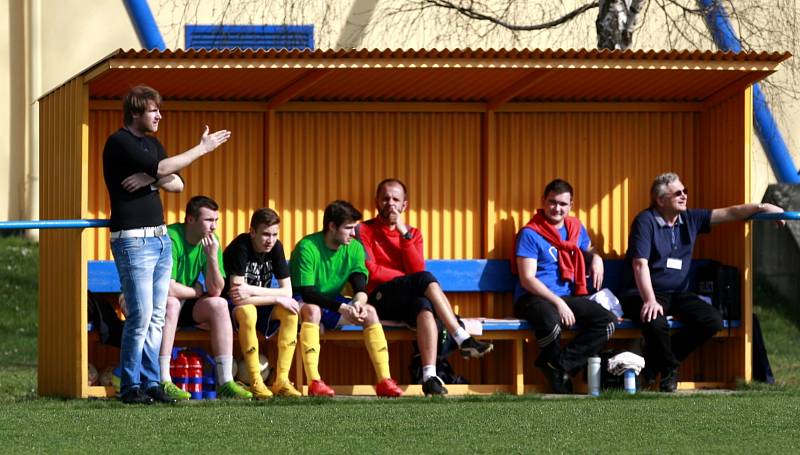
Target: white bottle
<point>593,376</point>
<point>630,381</point>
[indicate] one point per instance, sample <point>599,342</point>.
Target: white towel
<point>625,361</point>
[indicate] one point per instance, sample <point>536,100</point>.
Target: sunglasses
<point>679,193</point>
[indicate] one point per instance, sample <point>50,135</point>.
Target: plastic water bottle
<point>593,376</point>
<point>195,376</point>
<point>179,370</point>
<point>630,381</point>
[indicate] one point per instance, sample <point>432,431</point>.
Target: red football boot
<point>388,388</point>
<point>318,388</point>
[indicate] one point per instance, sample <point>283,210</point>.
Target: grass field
<point>780,324</point>
<point>763,421</point>
<point>758,417</point>
<point>19,275</point>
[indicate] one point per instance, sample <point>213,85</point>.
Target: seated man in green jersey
<point>321,265</point>
<point>195,250</point>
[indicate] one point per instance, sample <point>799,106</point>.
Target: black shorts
<point>185,318</point>
<point>403,298</point>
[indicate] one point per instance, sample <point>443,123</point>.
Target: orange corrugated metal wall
<point>62,274</point>
<point>726,136</point>
<point>610,158</point>
<point>315,157</point>
<point>723,129</point>
<point>322,156</point>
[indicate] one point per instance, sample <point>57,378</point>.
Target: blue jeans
<point>144,265</point>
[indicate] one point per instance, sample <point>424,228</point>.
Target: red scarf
<point>571,265</point>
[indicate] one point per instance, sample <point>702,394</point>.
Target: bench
<point>485,276</point>
<point>462,276</point>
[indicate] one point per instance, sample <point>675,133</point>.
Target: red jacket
<point>388,254</point>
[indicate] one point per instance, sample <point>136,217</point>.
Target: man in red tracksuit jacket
<point>399,287</point>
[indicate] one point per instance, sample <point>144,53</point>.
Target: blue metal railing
<point>54,224</point>
<point>789,216</point>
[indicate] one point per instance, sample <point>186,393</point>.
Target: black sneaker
<point>669,381</point>
<point>474,348</point>
<point>135,396</point>
<point>433,386</point>
<point>559,380</point>
<point>158,395</point>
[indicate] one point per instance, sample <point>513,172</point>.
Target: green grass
<point>19,275</point>
<point>780,324</point>
<point>763,421</point>
<point>758,417</point>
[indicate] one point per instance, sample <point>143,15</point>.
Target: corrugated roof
<point>489,76</point>
<point>475,54</point>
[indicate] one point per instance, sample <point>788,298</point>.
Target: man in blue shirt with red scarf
<point>552,287</point>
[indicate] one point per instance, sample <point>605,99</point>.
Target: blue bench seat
<point>455,276</point>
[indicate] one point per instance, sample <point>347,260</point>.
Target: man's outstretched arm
<point>742,212</point>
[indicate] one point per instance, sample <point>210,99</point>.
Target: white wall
<point>74,34</point>
<point>77,33</point>
<point>12,111</point>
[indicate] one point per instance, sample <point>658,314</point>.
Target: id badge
<point>674,263</point>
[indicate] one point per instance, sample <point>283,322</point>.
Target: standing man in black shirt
<point>135,166</point>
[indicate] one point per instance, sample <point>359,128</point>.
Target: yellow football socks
<point>287,340</point>
<point>309,343</point>
<point>378,350</point>
<point>246,316</point>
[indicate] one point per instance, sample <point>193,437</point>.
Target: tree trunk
<point>615,23</point>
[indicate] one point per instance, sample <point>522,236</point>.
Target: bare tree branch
<point>471,13</point>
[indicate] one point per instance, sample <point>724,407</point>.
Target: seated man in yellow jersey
<point>195,250</point>
<point>321,265</point>
<point>252,260</point>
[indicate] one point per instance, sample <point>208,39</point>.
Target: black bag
<point>104,319</point>
<point>721,283</point>
<point>444,370</point>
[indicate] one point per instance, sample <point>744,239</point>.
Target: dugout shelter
<point>476,134</point>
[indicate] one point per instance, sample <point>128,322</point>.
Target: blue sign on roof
<point>250,36</point>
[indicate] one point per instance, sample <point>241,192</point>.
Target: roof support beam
<point>305,81</point>
<point>732,89</point>
<point>524,83</point>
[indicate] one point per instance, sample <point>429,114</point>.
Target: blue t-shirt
<point>653,239</point>
<point>530,244</point>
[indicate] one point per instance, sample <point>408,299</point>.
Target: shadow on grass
<point>765,296</point>
<point>436,402</point>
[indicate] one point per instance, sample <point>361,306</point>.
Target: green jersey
<point>314,264</point>
<point>188,261</point>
